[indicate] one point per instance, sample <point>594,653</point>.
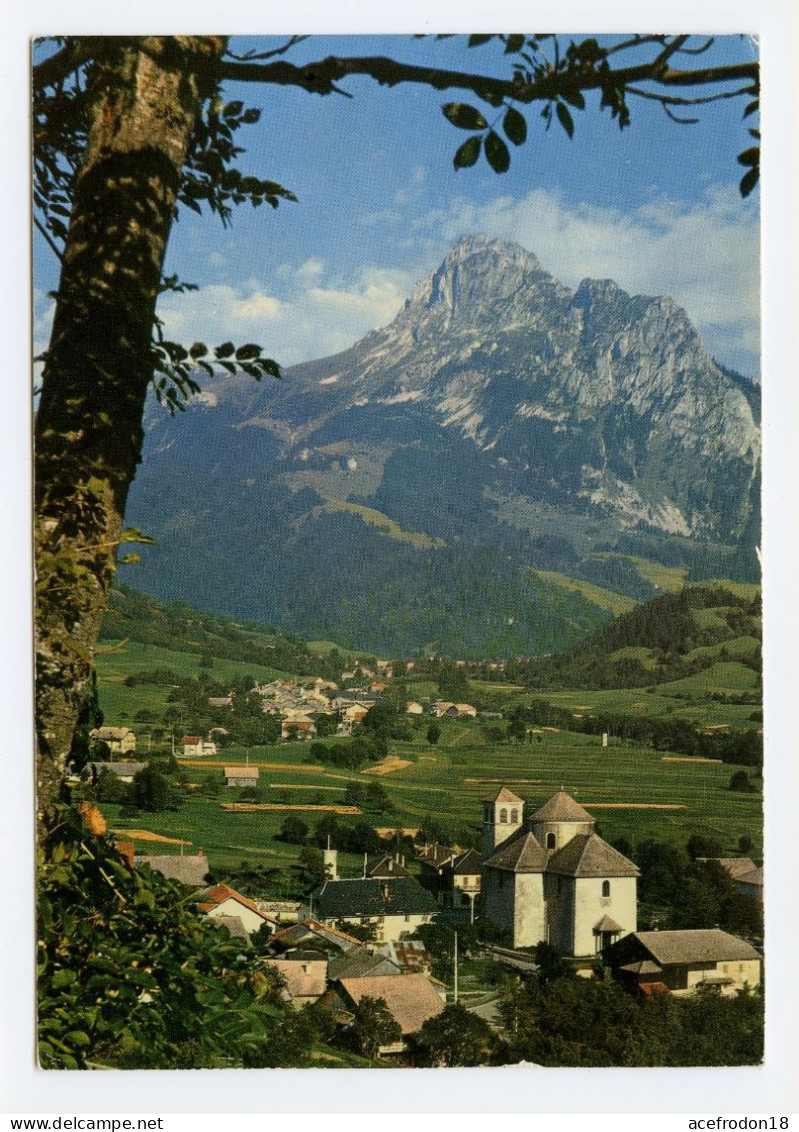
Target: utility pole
<point>455,996</point>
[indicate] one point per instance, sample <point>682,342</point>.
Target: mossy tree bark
<point>146,98</point>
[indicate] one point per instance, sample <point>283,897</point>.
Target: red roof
<point>222,892</point>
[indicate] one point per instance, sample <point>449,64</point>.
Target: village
<point>541,882</point>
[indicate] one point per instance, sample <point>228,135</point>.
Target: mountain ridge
<point>500,416</point>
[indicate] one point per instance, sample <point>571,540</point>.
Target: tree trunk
<point>147,95</point>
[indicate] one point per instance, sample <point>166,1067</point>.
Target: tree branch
<point>321,77</point>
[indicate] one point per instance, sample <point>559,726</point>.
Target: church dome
<point>562,807</point>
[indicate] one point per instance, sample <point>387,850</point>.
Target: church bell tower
<point>503,815</point>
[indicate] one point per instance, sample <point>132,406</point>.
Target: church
<point>553,879</point>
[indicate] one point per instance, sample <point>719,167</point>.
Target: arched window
<point>514,816</point>
<point>606,888</point>
<point>503,817</point>
<point>551,840</point>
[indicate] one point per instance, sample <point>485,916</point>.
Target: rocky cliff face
<point>498,410</point>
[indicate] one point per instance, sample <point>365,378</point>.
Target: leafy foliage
<point>374,1026</point>
<point>131,976</point>
<point>457,1037</point>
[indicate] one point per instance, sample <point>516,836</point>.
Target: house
<point>556,880</point>
<point>192,746</point>
<point>191,870</point>
<point>748,876</point>
<point>392,907</point>
<point>223,901</point>
<point>389,866</point>
<point>409,955</point>
<point>319,935</point>
<point>241,775</point>
<point>682,961</point>
<point>125,771</point>
<point>300,728</point>
<point>414,708</point>
<point>304,976</point>
<point>359,962</point>
<point>452,875</point>
<point>411,1000</point>
<point>119,739</point>
<point>222,701</point>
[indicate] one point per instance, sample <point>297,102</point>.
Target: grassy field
<point>448,780</point>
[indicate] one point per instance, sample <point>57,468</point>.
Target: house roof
<point>359,962</point>
<point>189,870</point>
<point>502,794</point>
<point>696,946</point>
<point>411,999</point>
<point>295,933</point>
<point>733,865</point>
<point>111,732</point>
<point>192,740</point>
<point>469,862</point>
<point>234,925</point>
<point>122,769</point>
<point>305,978</point>
<point>643,967</point>
<point>755,877</point>
<point>372,897</point>
<point>409,954</point>
<point>435,855</point>
<point>241,772</point>
<point>562,807</point>
<point>388,866</point>
<point>222,892</point>
<point>521,853</point>
<point>587,855</point>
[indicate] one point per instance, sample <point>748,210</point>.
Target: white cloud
<point>705,255</point>
<point>311,320</point>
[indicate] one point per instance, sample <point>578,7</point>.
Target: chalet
<point>391,907</point>
<point>191,870</point>
<point>241,775</point>
<point>119,739</point>
<point>681,962</point>
<point>221,900</point>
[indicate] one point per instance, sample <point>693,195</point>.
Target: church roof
<point>502,794</point>
<point>520,854</point>
<point>606,924</point>
<point>587,855</point>
<point>562,807</point>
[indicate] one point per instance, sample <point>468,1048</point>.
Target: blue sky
<point>655,207</point>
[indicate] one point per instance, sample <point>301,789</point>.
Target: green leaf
<point>575,98</point>
<point>128,560</point>
<point>198,350</point>
<point>247,352</point>
<point>251,116</point>
<point>468,153</point>
<point>565,118</point>
<point>233,109</point>
<point>225,350</point>
<point>515,126</point>
<point>749,180</point>
<point>463,116</point>
<point>751,108</point>
<point>497,153</point>
<point>750,156</point>
<point>63,978</point>
<point>514,43</point>
<point>478,40</point>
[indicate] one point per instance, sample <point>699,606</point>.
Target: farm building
<point>682,961</point>
<point>195,747</point>
<point>555,881</point>
<point>241,775</point>
<point>411,1000</point>
<point>191,870</point>
<point>119,739</point>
